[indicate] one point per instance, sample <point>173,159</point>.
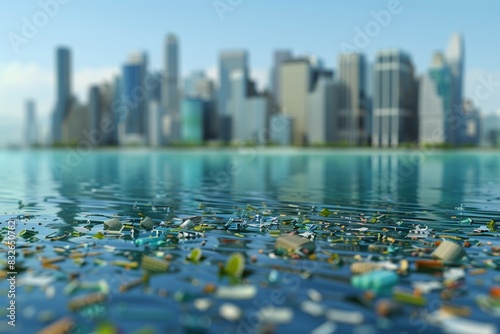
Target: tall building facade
<point>63,89</point>
<point>192,120</point>
<point>394,100</point>
<point>323,112</point>
<point>434,103</point>
<point>295,83</point>
<point>279,57</point>
<point>230,61</point>
<point>136,100</point>
<point>353,114</point>
<point>237,106</point>
<point>455,56</point>
<point>31,129</point>
<point>170,94</point>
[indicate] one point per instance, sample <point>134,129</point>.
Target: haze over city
<point>102,36</point>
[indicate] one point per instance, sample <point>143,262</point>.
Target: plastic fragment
<point>346,317</point>
<point>61,326</point>
<point>236,292</point>
<point>230,312</point>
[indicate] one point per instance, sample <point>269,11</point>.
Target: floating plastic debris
<point>152,264</point>
<point>236,224</point>
<point>80,302</point>
<point>449,251</point>
<point>328,327</point>
<point>276,315</point>
<point>295,244</point>
<point>147,223</point>
<point>481,229</point>
<point>377,280</point>
<point>408,298</point>
<point>418,232</point>
<point>113,225</point>
<point>235,265</point>
<point>312,308</point>
<point>230,312</point>
<point>61,326</point>
<point>236,292</point>
<point>344,316</point>
<point>195,255</point>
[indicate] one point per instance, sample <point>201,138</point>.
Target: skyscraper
<point>170,96</point>
<point>394,100</point>
<point>136,96</point>
<point>455,58</point>
<point>95,111</point>
<point>323,112</point>
<point>192,120</point>
<point>434,103</point>
<point>279,57</point>
<point>63,89</point>
<point>237,106</point>
<point>352,123</point>
<point>295,83</point>
<point>31,133</point>
<point>230,61</point>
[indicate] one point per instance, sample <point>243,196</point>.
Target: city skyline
<point>29,71</point>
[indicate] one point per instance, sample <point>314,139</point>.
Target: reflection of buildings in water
<point>395,178</point>
<point>348,178</point>
<point>249,173</point>
<point>430,178</point>
<point>461,178</point>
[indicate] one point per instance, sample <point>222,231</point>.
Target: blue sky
<point>101,35</point>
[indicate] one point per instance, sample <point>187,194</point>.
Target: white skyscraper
<point>433,102</point>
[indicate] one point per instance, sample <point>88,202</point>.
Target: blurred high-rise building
<point>170,88</point>
<point>472,122</point>
<point>490,129</point>
<point>237,106</point>
<point>75,123</point>
<point>295,83</point>
<point>394,99</point>
<point>323,110</point>
<point>199,85</point>
<point>230,61</point>
<point>352,123</point>
<point>192,110</point>
<point>31,129</point>
<point>455,55</point>
<point>257,118</point>
<point>95,111</point>
<point>63,91</point>
<point>279,57</point>
<point>135,100</point>
<point>434,103</point>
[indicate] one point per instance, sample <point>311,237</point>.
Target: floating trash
<point>236,224</point>
<point>449,251</point>
<point>235,265</point>
<point>346,317</point>
<point>113,225</point>
<point>61,326</point>
<point>419,232</point>
<point>230,312</point>
<point>377,280</point>
<point>152,264</point>
<point>276,315</point>
<point>81,302</point>
<point>147,223</point>
<point>295,244</point>
<point>236,292</point>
